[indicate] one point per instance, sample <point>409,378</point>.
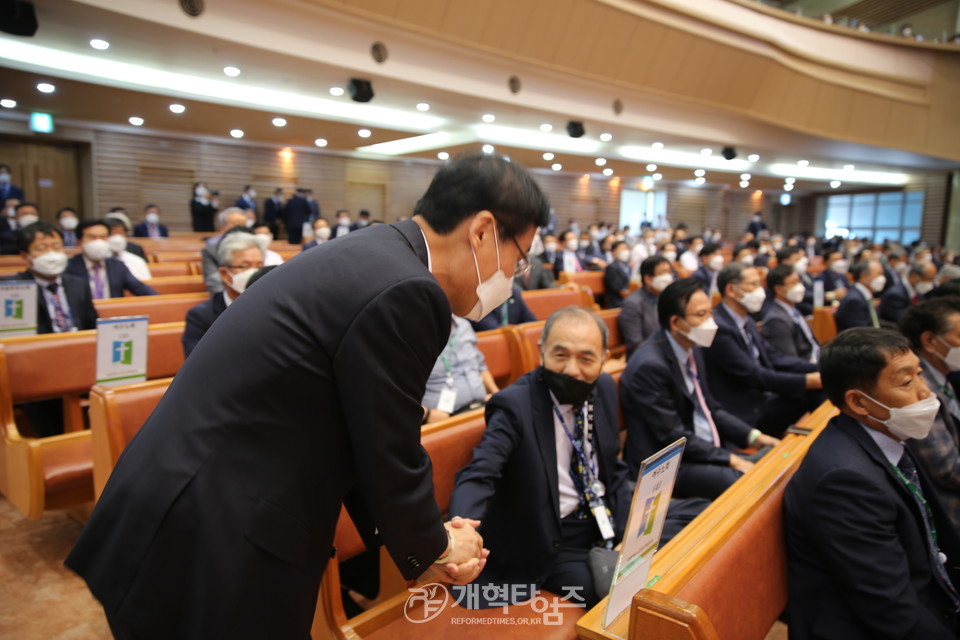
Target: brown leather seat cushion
<point>68,474</point>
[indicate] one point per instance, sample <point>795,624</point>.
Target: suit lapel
<point>671,358</point>
<point>543,426</point>
<point>411,231</point>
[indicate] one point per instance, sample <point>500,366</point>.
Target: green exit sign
<point>41,122</point>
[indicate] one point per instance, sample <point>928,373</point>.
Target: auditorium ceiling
<point>498,88</point>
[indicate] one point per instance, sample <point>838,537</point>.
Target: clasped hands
<point>468,557</point>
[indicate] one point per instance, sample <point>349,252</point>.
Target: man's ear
<point>854,401</point>
<point>928,340</point>
<point>480,226</point>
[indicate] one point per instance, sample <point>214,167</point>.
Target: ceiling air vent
<point>379,52</point>
<point>192,8</point>
<point>514,84</point>
<point>618,106</point>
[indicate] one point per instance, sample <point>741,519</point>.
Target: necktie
<point>153,231</point>
<point>692,368</point>
<point>97,282</point>
<point>750,343</point>
<point>798,318</point>
<point>908,473</point>
<point>578,472</point>
<point>61,318</point>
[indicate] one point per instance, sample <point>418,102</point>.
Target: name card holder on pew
<point>122,350</point>
<point>18,309</point>
<point>648,512</point>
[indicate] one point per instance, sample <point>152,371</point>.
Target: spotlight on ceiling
<point>360,90</point>
<point>575,129</point>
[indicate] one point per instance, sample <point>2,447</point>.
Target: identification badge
<point>603,521</point>
<point>448,400</point>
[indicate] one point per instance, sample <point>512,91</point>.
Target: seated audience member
<point>795,257</point>
<point>263,235</point>
<point>240,257</point>
<point>24,214</point>
<point>548,457</point>
<point>711,262</point>
<point>363,220</point>
<point>643,249</point>
<point>151,227</point>
<point>589,253</point>
<point>120,225</point>
<point>123,250</point>
<point>569,260</point>
<point>229,218</point>
<point>552,253</point>
<point>747,254</point>
<point>870,553</point>
<point>834,275</point>
<point>343,223</point>
<point>616,277</point>
<point>108,277</point>
<point>321,234</point>
<point>933,329</point>
<point>513,311</point>
<point>762,387</point>
<point>690,259</point>
<point>638,316</point>
<point>784,327</point>
<point>947,273</point>
<point>460,380</point>
<point>857,308</point>
<point>539,276</point>
<point>67,221</point>
<point>907,290</point>
<point>669,252</point>
<point>664,398</point>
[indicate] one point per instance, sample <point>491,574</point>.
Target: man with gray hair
<point>229,218</point>
<point>239,256</point>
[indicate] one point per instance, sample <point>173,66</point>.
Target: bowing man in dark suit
<point>664,398</point>
<point>108,277</point>
<point>784,327</point>
<point>638,315</point>
<point>759,385</point>
<point>616,277</point>
<point>513,311</point>
<point>219,518</point>
<point>860,513</point>
<point>907,290</point>
<point>151,227</point>
<point>857,309</point>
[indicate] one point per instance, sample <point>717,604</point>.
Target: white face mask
<point>69,223</point>
<point>50,264</point>
<point>697,248</point>
<point>96,250</point>
<point>800,266</point>
<point>323,233</point>
<point>923,287</point>
<point>623,255</point>
<point>912,421</point>
<point>252,193</point>
<point>344,222</point>
<point>703,334</point>
<point>878,283</point>
<point>840,266</point>
<point>669,255</point>
<point>572,245</point>
<point>584,244</point>
<point>550,247</point>
<point>264,240</point>
<point>662,281</point>
<point>4,178</point>
<point>492,292</point>
<point>901,267</point>
<point>777,246</point>
<point>747,260</point>
<point>753,301</point>
<point>239,283</point>
<point>27,220</point>
<point>201,192</point>
<point>715,263</point>
<point>117,243</point>
<point>796,293</point>
<point>10,212</point>
<point>153,218</point>
<point>952,359</point>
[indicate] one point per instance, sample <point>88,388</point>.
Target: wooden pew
<point>543,302</point>
<point>171,307</point>
<point>501,350</point>
<point>724,575</point>
<point>166,269</point>
<point>176,256</point>
<point>592,280</point>
<point>177,284</point>
<point>611,317</point>
<point>825,324</point>
<point>57,472</point>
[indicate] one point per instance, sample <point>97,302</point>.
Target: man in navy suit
<point>273,210</point>
<point>150,227</point>
<point>295,213</point>
<point>7,189</point>
<point>834,275</point>
<point>796,257</point>
<point>784,327</point>
<point>664,398</point>
<point>247,200</point>
<point>342,224</point>
<point>870,553</point>
<point>513,311</point>
<point>108,277</point>
<point>907,290</point>
<point>857,308</point>
<point>759,385</point>
<point>711,262</point>
<point>616,277</point>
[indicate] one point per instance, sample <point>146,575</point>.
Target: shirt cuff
<point>752,436</point>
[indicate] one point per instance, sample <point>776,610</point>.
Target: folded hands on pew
<point>467,557</point>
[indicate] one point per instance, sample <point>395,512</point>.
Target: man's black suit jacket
<point>199,319</point>
<point>219,517</point>
<point>78,297</point>
<point>119,277</point>
<point>659,409</point>
<point>781,332</point>
<point>858,560</point>
<point>512,486</point>
<point>638,318</point>
<point>142,230</point>
<point>616,278</point>
<point>854,310</point>
<point>894,302</point>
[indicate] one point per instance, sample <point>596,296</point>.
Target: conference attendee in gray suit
<point>638,315</point>
<point>784,327</point>
<point>304,396</point>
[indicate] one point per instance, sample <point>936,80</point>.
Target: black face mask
<point>567,390</point>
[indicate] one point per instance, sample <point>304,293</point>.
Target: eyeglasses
<point>523,264</point>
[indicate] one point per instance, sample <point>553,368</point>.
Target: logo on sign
<point>13,309</point>
<point>122,352</point>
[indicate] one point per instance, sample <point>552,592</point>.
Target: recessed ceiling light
<point>177,108</point>
<point>7,103</point>
<point>236,133</point>
<point>233,72</point>
<point>488,118</point>
<point>606,137</point>
<point>848,167</point>
<point>745,176</point>
<point>657,146</point>
<point>548,156</point>
<point>789,180</point>
<point>657,176</point>
<point>753,157</point>
<point>279,122</point>
<point>706,151</point>
<point>443,155</point>
<point>803,163</point>
<point>320,142</point>
<point>46,87</point>
<point>834,184</point>
<point>423,106</point>
<point>556,166</point>
<point>651,167</point>
<point>608,172</point>
<point>336,91</point>
<point>788,187</point>
<point>488,148</point>
<point>136,121</point>
<point>699,173</point>
<point>99,45</point>
<point>744,184</point>
<point>600,162</point>
<point>700,180</point>
<point>364,133</point>
<point>546,127</point>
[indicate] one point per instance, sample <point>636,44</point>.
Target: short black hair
<point>829,252</point>
<point>150,206</point>
<point>257,225</point>
<point>65,210</point>
<point>855,358</point>
<point>86,224</point>
<point>478,182</point>
<point>674,299</point>
<point>5,166</point>
<point>730,274</point>
<point>246,187</point>
<point>787,252</point>
<point>777,276</point>
<point>708,248</point>
<point>649,266</point>
<point>580,312</point>
<point>26,204</point>
<point>928,315</point>
<point>948,288</point>
<point>616,244</point>
<point>26,235</point>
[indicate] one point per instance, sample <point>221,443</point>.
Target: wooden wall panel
<point>49,174</point>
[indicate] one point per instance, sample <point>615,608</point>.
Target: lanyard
<point>447,353</point>
<point>587,418</point>
<point>923,502</point>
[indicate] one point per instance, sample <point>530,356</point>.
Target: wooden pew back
<point>592,280</point>
<point>177,284</point>
<point>159,309</point>
<point>500,349</point>
<point>543,302</point>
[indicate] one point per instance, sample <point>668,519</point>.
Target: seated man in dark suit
<point>108,277</point>
<point>664,398</point>
<point>321,234</point>
<point>552,253</point>
<point>759,385</point>
<point>589,254</point>
<point>834,275</point>
<point>513,311</point>
<point>240,258</point>
<point>784,327</point>
<point>907,290</point>
<point>120,226</point>
<point>24,214</point>
<point>151,227</point>
<point>711,262</point>
<point>616,277</point>
<point>7,188</point>
<point>460,380</point>
<point>794,256</point>
<point>933,329</point>
<point>540,276</point>
<point>67,221</point>
<point>870,553</point>
<point>638,316</point>
<point>857,308</point>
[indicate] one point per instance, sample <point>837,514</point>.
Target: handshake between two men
<point>464,558</point>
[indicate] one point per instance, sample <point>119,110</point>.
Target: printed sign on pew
<point>18,309</point>
<point>121,350</point>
